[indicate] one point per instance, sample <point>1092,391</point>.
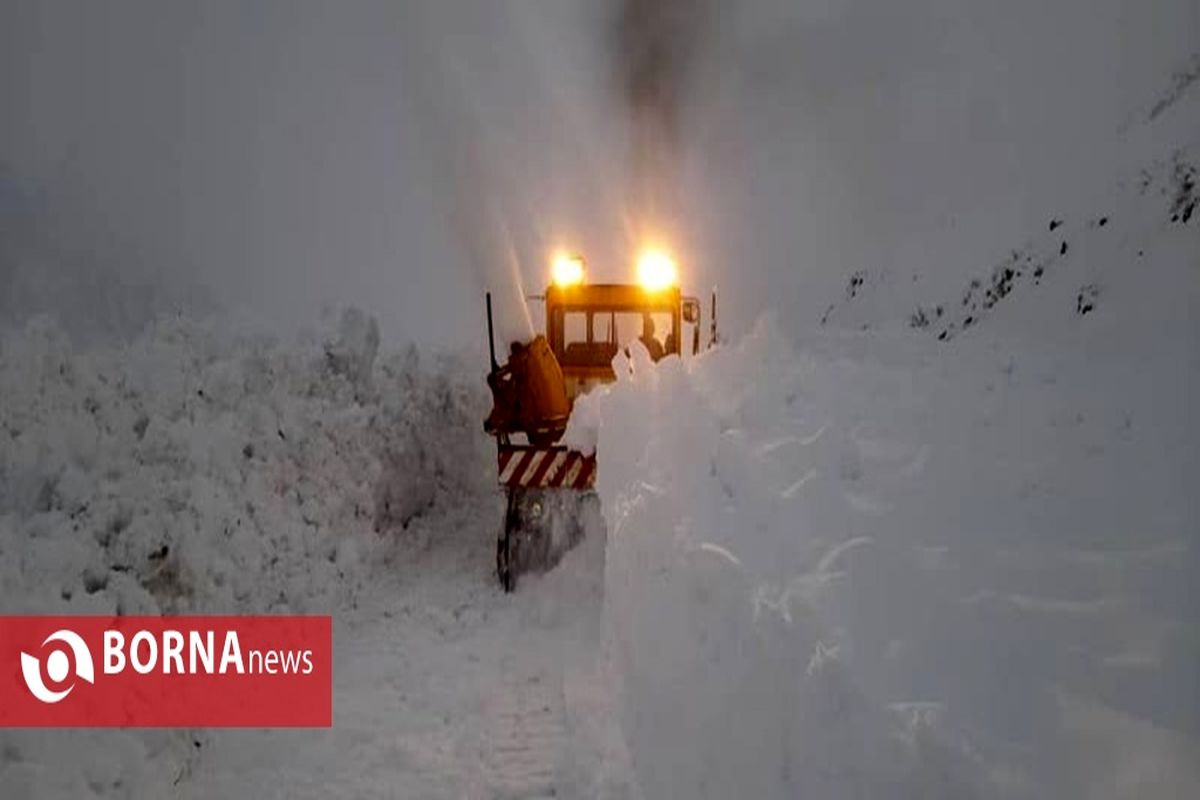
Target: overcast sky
<point>283,155</point>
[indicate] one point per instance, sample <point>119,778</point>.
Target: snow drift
<point>909,566</point>
<point>199,471</point>
<point>192,470</point>
<point>722,585</point>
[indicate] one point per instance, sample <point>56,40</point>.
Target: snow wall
<point>721,587</point>
<point>195,470</point>
<point>919,573</point>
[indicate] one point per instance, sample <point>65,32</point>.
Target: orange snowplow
<point>550,488</point>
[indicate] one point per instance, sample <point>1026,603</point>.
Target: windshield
<point>591,337</point>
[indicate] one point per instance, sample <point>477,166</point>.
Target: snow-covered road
<point>443,686</point>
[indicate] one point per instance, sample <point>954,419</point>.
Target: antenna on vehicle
<point>491,335</point>
<point>712,338</point>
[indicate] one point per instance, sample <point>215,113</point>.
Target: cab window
<point>591,338</point>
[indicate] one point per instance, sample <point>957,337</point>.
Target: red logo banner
<point>166,671</point>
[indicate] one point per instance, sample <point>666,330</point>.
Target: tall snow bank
<point>734,680</point>
<point>880,568</point>
<point>198,471</point>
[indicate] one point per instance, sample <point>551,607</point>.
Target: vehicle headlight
<point>656,270</point>
<point>568,270</point>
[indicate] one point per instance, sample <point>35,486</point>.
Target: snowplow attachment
<point>550,497</point>
<point>527,467</point>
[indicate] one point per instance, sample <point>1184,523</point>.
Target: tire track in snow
<point>526,739</point>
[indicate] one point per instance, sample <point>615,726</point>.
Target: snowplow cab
<point>588,324</point>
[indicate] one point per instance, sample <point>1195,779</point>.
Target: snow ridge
<point>910,572</point>
<point>194,470</point>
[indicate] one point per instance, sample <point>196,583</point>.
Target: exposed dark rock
<point>1085,299</point>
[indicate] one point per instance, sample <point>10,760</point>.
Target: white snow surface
<point>888,565</point>
<point>955,577</point>
<point>194,470</point>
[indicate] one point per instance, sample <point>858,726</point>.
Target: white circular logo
<point>58,666</point>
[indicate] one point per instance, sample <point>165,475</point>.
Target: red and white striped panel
<point>554,467</point>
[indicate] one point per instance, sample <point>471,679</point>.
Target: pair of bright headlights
<point>656,270</point>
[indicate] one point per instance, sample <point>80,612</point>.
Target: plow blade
<point>527,467</point>
<point>550,495</point>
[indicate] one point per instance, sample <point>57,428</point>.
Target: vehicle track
<point>526,739</point>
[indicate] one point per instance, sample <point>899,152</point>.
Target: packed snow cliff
<point>190,470</point>
<point>198,471</point>
<point>901,565</point>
